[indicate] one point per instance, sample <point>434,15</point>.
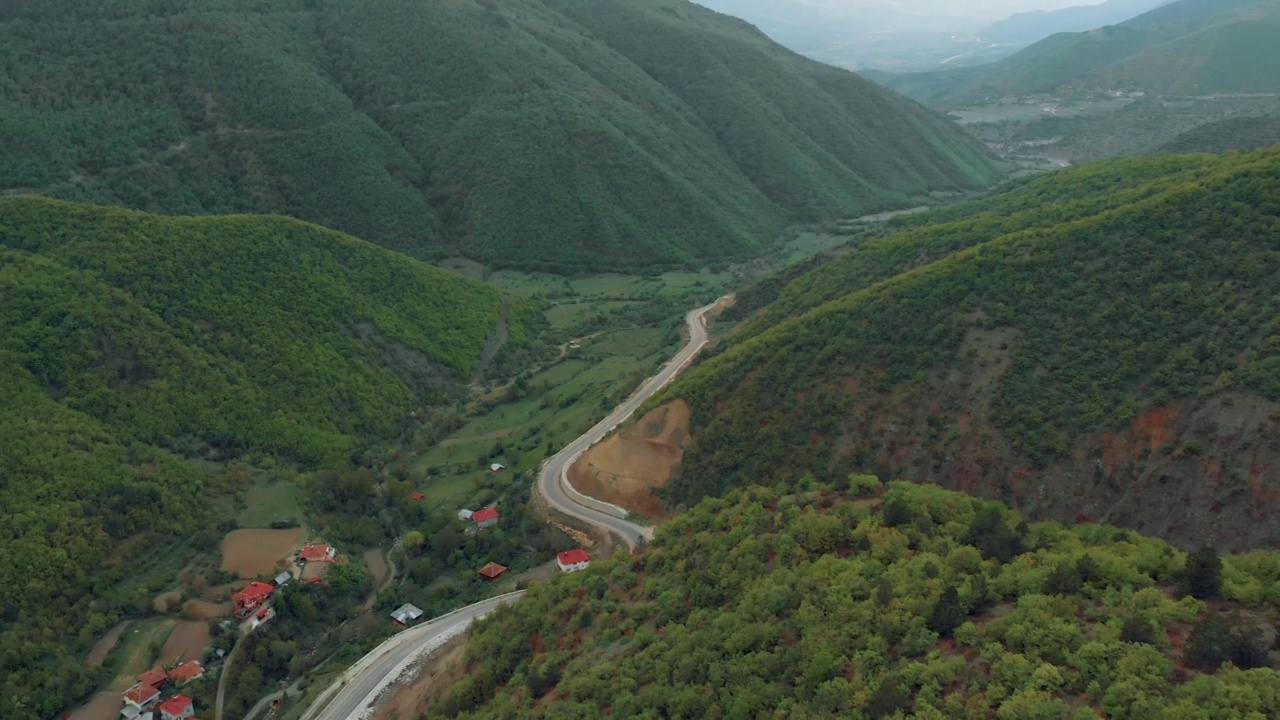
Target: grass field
<point>139,646</point>
<point>265,504</point>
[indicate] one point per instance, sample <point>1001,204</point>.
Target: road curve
<point>356,689</point>
<point>553,482</point>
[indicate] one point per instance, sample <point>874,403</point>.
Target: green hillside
<point>541,133</point>
<point>1101,342</point>
<point>922,603</point>
<point>139,352</point>
<point>1242,133</point>
<point>1190,47</point>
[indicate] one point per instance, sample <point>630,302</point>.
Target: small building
<point>487,517</point>
<point>156,677</point>
<point>283,579</point>
<point>251,597</point>
<point>497,467</point>
<point>492,571</point>
<point>573,560</point>
<point>417,496</point>
<point>464,514</point>
<point>140,695</point>
<point>406,614</point>
<point>186,672</point>
<point>316,553</point>
<point>178,707</point>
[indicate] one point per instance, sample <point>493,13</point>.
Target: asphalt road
<point>357,688</point>
<point>553,483</point>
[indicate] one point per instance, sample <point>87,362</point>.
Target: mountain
<point>1189,47</point>
<point>914,603</point>
<point>1098,343</point>
<point>559,134</point>
<point>140,353</point>
<point>1239,133</point>
<point>1029,27</point>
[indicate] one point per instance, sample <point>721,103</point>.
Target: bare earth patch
<point>102,706</point>
<point>625,468</point>
<point>315,570</point>
<point>250,553</point>
<point>377,566</point>
<point>441,670</point>
<point>100,649</point>
<point>187,642</point>
<point>203,609</point>
<point>167,602</point>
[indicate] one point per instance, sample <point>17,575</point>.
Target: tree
<point>413,540</point>
<point>947,613</point>
<point>1202,574</point>
<point>1208,646</point>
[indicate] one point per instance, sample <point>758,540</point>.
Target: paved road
<point>359,686</point>
<point>553,483</point>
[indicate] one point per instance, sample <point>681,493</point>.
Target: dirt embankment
<point>442,669</point>
<point>625,468</point>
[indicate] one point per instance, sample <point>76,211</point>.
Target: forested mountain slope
<point>554,133</point>
<point>1238,133</point>
<point>1189,47</point>
<point>133,347</point>
<point>1102,342</point>
<point>923,603</point>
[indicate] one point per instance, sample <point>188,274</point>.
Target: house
<point>316,553</point>
<point>417,496</point>
<point>497,467</point>
<point>487,517</point>
<point>186,672</point>
<point>573,560</point>
<point>492,571</point>
<point>140,695</point>
<point>464,514</point>
<point>156,677</point>
<point>178,707</point>
<point>251,597</point>
<point>283,579</point>
<point>406,614</point>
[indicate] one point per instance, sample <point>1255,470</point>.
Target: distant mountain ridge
<point>1188,47</point>
<point>557,134</point>
<point>1036,25</point>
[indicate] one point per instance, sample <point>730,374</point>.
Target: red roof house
<point>156,677</point>
<point>571,560</point>
<point>486,517</point>
<point>140,695</point>
<point>417,496</point>
<point>492,571</point>
<point>316,553</point>
<point>251,597</point>
<point>186,672</point>
<point>178,707</point>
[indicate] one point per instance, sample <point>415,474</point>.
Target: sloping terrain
<point>1035,25</point>
<point>1242,133</point>
<point>1190,47</point>
<point>921,603</point>
<point>137,352</point>
<point>548,133</point>
<point>1101,343</point>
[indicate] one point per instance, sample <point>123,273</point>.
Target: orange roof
<point>186,671</point>
<point>154,677</point>
<point>417,496</point>
<point>141,694</point>
<point>492,570</point>
<point>254,591</point>
<point>314,553</point>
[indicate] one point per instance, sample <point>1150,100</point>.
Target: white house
<point>573,560</point>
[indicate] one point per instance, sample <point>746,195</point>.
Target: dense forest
<point>556,134</point>
<point>1188,47</point>
<point>141,352</point>
<point>1099,343</point>
<point>909,601</point>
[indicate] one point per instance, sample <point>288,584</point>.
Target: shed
<point>283,578</point>
<point>464,514</point>
<point>497,467</point>
<point>492,571</point>
<point>406,613</point>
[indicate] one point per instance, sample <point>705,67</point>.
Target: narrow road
<point>357,688</point>
<point>553,482</point>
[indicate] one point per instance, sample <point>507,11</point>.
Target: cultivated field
<point>250,553</point>
<point>187,642</point>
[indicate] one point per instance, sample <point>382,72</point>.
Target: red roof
<point>176,705</point>
<point>254,591</point>
<point>492,570</point>
<point>417,496</point>
<point>186,671</point>
<point>573,557</point>
<point>485,514</point>
<point>154,677</point>
<point>141,694</point>
<point>314,553</point>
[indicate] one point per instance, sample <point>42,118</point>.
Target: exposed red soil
<point>625,468</point>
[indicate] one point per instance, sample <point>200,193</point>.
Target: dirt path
<point>100,649</point>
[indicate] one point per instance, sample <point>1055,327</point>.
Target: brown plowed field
<point>624,468</point>
<point>187,642</point>
<point>250,553</point>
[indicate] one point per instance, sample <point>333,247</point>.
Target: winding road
<point>553,482</point>
<point>358,688</point>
